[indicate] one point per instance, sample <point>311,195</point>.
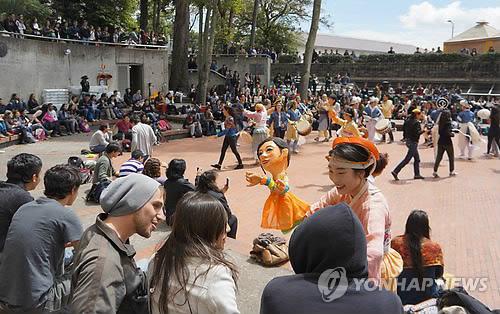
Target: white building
<point>359,46</point>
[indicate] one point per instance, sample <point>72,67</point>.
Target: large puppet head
<point>273,155</point>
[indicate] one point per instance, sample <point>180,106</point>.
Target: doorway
<point>136,78</point>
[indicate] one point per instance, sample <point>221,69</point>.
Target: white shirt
<point>143,138</point>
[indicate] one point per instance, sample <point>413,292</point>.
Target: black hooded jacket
<point>332,237</point>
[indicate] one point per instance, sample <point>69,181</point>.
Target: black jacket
<point>412,129</point>
<point>445,134</point>
<point>174,191</point>
<point>332,240</point>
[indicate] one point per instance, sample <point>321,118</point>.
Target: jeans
<point>412,153</point>
<point>440,152</point>
<point>230,141</point>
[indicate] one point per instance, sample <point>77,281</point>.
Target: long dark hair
<point>176,169</point>
<point>445,118</point>
<point>190,237</point>
<point>417,228</point>
<point>207,182</point>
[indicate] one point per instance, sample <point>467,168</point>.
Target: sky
<point>420,23</point>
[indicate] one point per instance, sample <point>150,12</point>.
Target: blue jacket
<point>465,116</point>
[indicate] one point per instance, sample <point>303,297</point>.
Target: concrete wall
<point>243,64</point>
<point>31,66</point>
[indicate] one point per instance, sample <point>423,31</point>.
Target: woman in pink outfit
<point>351,162</point>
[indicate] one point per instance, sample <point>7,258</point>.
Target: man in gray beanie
<point>106,278</point>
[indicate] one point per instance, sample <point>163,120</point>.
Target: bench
<point>9,140</point>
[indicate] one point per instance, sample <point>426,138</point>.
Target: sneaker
<point>395,175</point>
<point>216,166</point>
<point>435,175</point>
<point>453,173</point>
<point>419,177</point>
<point>238,167</point>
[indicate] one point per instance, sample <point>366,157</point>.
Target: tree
<point>28,8</point>
<point>311,39</point>
<point>254,22</point>
<point>178,73</point>
<point>143,19</point>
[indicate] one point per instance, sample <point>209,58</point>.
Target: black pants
<point>279,132</point>
<point>412,153</point>
<point>493,137</point>
<point>391,136</point>
<point>230,141</point>
<point>233,224</point>
<point>440,152</point>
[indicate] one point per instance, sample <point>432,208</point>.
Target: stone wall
<point>29,66</point>
<point>411,71</point>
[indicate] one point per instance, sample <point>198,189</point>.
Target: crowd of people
<point>60,28</point>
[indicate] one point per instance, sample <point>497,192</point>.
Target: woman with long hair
<point>445,143</point>
<point>190,272</point>
<point>351,161</point>
<point>422,260</point>
<point>230,134</point>
<point>207,183</point>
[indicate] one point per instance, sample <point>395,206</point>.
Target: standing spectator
<point>21,27</point>
<point>74,31</point>
<point>190,272</point>
<point>10,24</point>
<point>143,137</point>
<point>133,165</point>
<point>33,277</point>
<point>106,278</point>
<point>175,187</point>
<point>100,139</point>
<point>64,30</point>
<point>23,175</point>
<point>84,83</point>
<point>85,31</point>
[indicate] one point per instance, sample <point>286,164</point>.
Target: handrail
<point>65,40</point>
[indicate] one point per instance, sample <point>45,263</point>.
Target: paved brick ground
<point>464,210</point>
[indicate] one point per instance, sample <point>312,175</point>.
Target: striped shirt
<point>131,166</point>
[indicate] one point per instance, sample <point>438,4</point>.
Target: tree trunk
<point>254,22</point>
<point>306,70</point>
<point>179,71</point>
<point>143,20</point>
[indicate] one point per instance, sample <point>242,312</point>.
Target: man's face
<point>150,215</point>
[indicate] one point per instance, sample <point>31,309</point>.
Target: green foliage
<point>288,59</point>
<point>333,59</point>
<point>28,8</point>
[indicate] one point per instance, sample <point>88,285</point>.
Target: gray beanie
<point>128,194</point>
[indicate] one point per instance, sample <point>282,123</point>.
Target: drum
<point>484,114</point>
<point>383,126</point>
<point>303,127</point>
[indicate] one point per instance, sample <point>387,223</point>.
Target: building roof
<point>326,41</point>
<point>480,31</point>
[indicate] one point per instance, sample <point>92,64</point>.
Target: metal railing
<point>83,42</point>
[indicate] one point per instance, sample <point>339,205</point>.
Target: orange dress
<point>283,211</point>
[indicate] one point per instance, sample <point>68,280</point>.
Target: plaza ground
<point>463,210</point>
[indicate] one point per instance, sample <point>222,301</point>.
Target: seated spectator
<point>137,96</point>
<point>106,278</point>
<point>123,129</point>
<point>133,165</point>
<point>207,183</point>
<point>175,187</point>
<point>106,108</point>
<point>3,127</point>
<point>190,272</point>
<point>128,97</point>
<point>33,277</point>
<point>3,107</point>
<point>33,104</point>
<point>68,120</point>
<point>115,106</point>
<point>23,175</point>
<point>422,260</point>
<point>100,139</point>
<point>193,124</point>
<point>16,103</point>
<point>152,169</point>
<point>48,120</point>
<point>103,170</point>
<point>332,240</point>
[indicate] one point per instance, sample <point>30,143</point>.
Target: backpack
<point>40,134</point>
<point>96,190</point>
<point>78,163</point>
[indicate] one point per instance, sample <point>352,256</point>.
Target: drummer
<point>349,127</point>
<point>292,135</point>
<point>387,109</point>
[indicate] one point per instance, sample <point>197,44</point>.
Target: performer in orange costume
<point>282,210</point>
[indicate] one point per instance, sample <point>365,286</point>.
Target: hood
<point>332,237</point>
